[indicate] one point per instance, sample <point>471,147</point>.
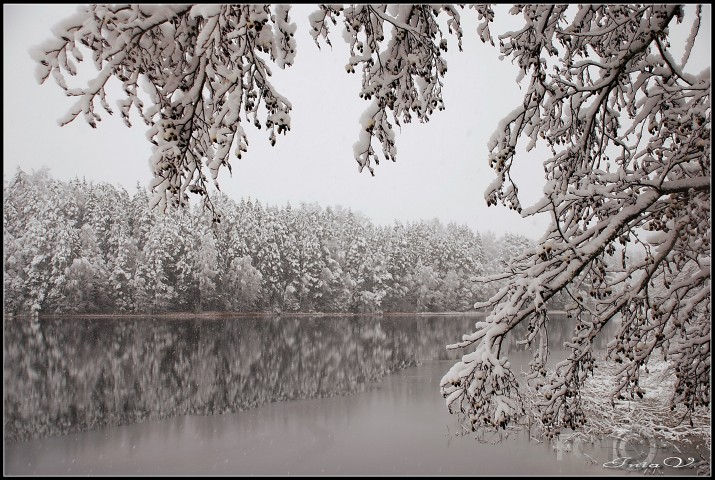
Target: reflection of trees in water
<point>561,329</point>
<point>64,376</point>
<point>435,332</point>
<point>25,388</point>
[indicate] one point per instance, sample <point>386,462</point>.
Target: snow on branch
<point>627,182</point>
<point>628,189</point>
<point>202,68</point>
<point>399,48</point>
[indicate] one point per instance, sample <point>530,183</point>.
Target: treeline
<point>79,247</point>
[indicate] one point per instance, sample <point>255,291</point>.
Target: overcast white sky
<point>441,169</point>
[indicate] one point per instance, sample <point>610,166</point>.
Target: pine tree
<point>244,284</point>
<point>206,270</point>
<point>87,277</point>
<point>122,276</point>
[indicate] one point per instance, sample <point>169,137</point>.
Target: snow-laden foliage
<point>650,418</point>
<point>82,248</point>
<point>245,281</point>
<point>190,72</point>
<point>399,49</point>
<point>628,189</point>
<point>195,73</point>
<point>627,183</point>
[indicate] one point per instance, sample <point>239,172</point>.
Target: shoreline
<point>209,315</point>
<point>216,315</point>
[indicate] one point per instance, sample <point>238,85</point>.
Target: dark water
<point>69,375</point>
<point>151,396</point>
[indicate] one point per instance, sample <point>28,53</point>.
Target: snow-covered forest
<point>80,247</point>
<point>621,104</point>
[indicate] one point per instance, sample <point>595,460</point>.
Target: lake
<point>254,395</point>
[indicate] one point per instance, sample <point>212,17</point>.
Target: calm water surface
<point>327,395</point>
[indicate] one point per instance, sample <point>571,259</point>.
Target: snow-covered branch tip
<point>201,69</point>
<point>627,182</point>
<point>628,189</point>
<point>399,48</point>
<point>204,69</point>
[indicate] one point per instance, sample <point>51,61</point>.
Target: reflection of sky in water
<point>64,375</point>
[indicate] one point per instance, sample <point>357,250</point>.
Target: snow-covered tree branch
<point>628,189</point>
<point>200,67</point>
<point>405,77</point>
<point>627,182</point>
